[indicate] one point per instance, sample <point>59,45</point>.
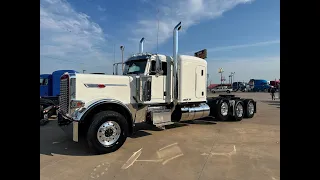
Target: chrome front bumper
<point>70,127</point>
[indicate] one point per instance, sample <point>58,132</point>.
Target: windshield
<point>135,67</point>
<point>41,81</point>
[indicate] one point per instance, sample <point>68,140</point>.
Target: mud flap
<point>75,129</point>
<point>71,128</point>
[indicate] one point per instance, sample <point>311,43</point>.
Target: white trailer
<point>154,88</point>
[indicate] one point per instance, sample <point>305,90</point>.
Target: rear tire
<point>222,110</point>
<point>228,91</point>
<point>107,132</point>
<point>248,108</point>
<point>239,111</point>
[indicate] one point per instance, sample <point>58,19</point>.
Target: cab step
<point>161,117</point>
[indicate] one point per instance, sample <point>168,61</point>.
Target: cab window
<point>43,81</point>
<point>153,68</point>
<point>164,68</point>
<point>135,67</point>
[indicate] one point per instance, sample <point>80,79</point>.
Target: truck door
<point>44,89</point>
<point>158,83</point>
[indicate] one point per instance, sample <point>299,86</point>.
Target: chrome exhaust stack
<point>141,45</point>
<point>175,62</point>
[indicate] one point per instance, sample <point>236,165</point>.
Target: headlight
<point>76,104</point>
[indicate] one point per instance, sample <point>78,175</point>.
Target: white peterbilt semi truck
<point>154,88</point>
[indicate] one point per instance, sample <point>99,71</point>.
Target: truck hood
<point>93,87</point>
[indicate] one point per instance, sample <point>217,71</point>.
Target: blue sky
<point>241,36</point>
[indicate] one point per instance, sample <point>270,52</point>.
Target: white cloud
<point>224,48</point>
<point>69,36</point>
<point>233,47</point>
<point>71,40</point>
<point>189,12</point>
<point>246,68</point>
<point>101,9</point>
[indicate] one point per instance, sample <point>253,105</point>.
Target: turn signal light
<point>77,104</point>
<point>101,86</point>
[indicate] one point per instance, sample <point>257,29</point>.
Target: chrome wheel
<point>250,108</point>
<point>239,110</point>
<point>108,133</point>
<point>224,109</point>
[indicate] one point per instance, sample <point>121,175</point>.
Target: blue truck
<point>239,86</point>
<point>258,85</point>
<point>49,93</point>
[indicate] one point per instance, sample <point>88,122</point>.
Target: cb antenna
<point>158,31</point>
<point>114,53</point>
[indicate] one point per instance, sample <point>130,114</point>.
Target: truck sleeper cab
<point>154,88</point>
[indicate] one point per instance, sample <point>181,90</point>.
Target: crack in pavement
<point>206,160</point>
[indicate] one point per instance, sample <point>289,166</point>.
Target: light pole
<point>233,76</point>
<point>114,53</point>
<point>220,71</point>
<point>232,79</point>
<point>122,49</point>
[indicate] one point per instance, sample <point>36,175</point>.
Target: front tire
<point>107,132</point>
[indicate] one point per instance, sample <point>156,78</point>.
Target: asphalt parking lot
<point>199,150</point>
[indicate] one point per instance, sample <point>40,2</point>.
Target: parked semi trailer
<point>153,88</point>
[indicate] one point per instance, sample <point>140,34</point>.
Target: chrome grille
<point>64,95</point>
